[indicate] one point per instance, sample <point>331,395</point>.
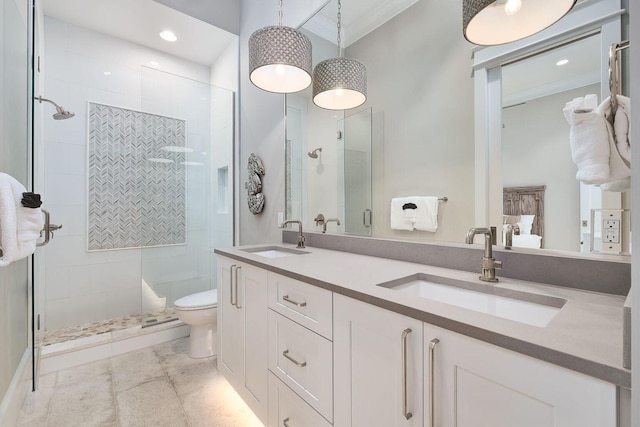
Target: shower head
<point>61,113</point>
<point>314,154</point>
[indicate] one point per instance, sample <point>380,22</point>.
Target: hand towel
<point>401,219</point>
<point>589,140</point>
<point>19,226</point>
<point>619,170</point>
<point>621,127</point>
<point>427,213</point>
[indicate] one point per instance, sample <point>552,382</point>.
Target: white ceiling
<point>140,21</point>
<point>359,18</point>
<point>540,76</point>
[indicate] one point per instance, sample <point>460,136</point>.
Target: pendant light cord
<point>280,13</point>
<point>339,27</point>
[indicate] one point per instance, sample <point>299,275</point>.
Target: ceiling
<point>359,18</point>
<point>140,21</point>
<point>539,76</point>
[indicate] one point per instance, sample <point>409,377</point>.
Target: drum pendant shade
<point>488,22</point>
<point>339,84</point>
<point>280,59</point>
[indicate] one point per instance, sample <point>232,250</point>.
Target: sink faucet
<point>300,235</point>
<point>328,220</point>
<point>489,263</point>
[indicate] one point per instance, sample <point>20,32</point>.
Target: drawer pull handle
<point>285,422</point>
<point>405,413</point>
<point>294,361</point>
<point>299,304</point>
<point>432,355</point>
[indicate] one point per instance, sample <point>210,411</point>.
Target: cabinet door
<point>369,369</point>
<point>482,385</point>
<point>252,299</point>
<point>230,323</point>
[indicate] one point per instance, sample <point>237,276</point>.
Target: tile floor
<point>157,386</point>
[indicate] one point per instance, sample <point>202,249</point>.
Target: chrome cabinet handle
<point>233,270</point>
<point>285,422</point>
<point>299,304</point>
<point>294,361</point>
<point>237,304</point>
<point>432,355</point>
<point>405,413</point>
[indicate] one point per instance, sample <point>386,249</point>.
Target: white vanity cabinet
<point>476,384</point>
<point>378,372</point>
<point>243,332</point>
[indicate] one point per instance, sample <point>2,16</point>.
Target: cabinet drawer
<point>303,360</point>
<point>305,304</point>
<point>287,407</point>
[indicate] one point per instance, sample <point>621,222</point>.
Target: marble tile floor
<point>156,387</point>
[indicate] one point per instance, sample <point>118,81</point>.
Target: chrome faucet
<point>300,235</point>
<point>512,229</point>
<point>328,220</point>
<point>489,263</point>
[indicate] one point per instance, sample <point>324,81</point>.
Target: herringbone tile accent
<point>134,202</point>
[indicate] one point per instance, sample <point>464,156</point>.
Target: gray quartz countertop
<point>585,336</point>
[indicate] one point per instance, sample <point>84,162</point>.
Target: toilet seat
<point>199,301</point>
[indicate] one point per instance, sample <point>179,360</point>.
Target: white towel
<point>399,219</point>
<point>619,170</point>
<point>589,140</point>
<point>19,226</point>
<point>621,127</point>
<point>427,213</point>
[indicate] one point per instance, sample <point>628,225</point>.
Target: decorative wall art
<point>255,198</point>
<point>136,179</point>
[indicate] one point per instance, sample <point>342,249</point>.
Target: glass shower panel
<point>354,135</point>
<point>188,178</point>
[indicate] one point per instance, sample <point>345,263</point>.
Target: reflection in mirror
<point>541,194</point>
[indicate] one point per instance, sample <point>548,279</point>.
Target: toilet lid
<point>200,300</point>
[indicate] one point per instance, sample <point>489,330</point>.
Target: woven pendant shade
<point>339,84</point>
<point>280,59</point>
<point>487,22</point>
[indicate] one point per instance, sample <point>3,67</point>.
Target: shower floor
<point>95,329</point>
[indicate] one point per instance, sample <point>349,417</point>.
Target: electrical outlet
<point>611,225</point>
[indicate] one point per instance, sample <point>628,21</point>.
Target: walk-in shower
<point>61,113</point>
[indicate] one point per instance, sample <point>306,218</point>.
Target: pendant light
<point>491,22</point>
<point>339,83</point>
<point>280,58</point>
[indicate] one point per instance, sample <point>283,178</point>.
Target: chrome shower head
<point>314,154</point>
<point>61,113</point>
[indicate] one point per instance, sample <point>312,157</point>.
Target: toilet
<point>200,311</point>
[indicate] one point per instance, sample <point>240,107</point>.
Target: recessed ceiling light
<point>157,160</point>
<point>107,73</point>
<point>562,62</point>
<point>168,35</point>
<point>177,149</point>
<point>154,64</point>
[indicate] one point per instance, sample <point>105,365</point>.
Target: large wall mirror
<point>483,128</point>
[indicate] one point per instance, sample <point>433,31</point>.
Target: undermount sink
<point>274,251</point>
<point>532,309</point>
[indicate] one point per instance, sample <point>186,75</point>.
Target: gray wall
<point>14,282</point>
<point>262,128</point>
<point>421,93</point>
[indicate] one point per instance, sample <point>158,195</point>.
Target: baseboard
<point>110,345</point>
<point>17,392</point>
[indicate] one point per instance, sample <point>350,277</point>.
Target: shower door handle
<point>366,215</point>
<point>48,229</point>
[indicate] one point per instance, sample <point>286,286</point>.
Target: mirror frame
<point>589,18</point>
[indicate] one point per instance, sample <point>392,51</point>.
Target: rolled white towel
<point>589,140</point>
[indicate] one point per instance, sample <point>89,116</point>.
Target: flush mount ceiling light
<point>280,58</point>
<point>339,83</point>
<point>491,22</point>
<point>562,62</point>
<point>168,35</point>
